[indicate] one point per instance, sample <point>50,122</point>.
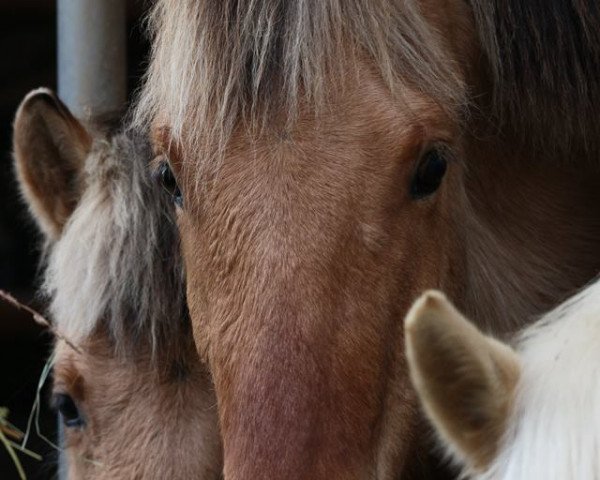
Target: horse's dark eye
<point>429,174</point>
<point>165,176</point>
<point>70,414</point>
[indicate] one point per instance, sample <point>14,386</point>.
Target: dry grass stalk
<point>8,435</point>
<point>37,317</point>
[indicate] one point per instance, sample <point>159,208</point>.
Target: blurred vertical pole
<point>92,62</point>
<point>92,73</point>
<point>63,467</point>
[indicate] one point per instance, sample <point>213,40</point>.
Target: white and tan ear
<point>465,379</point>
<point>50,147</point>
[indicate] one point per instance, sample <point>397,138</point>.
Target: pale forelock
<point>217,62</point>
<point>117,264</point>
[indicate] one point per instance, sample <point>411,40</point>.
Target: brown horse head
<point>313,213</point>
<point>317,244</point>
<point>329,168</point>
<point>129,380</point>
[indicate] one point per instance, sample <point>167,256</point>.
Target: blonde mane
<point>117,263</point>
<point>254,59</point>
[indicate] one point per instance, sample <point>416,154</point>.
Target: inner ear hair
<point>465,379</point>
<point>50,147</point>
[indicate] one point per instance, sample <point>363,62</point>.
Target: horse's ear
<point>465,379</point>
<point>50,147</point>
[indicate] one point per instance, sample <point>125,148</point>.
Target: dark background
<point>28,46</point>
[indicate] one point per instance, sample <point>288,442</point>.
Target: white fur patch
<point>554,432</point>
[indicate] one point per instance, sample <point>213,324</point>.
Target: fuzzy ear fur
<point>465,380</point>
<point>50,147</point>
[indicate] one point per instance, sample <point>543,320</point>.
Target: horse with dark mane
<point>129,380</point>
<point>333,159</point>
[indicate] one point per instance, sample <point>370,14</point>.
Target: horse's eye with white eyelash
<point>69,412</point>
<point>167,179</point>
<point>429,174</point>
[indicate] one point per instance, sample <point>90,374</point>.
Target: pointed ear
<point>50,147</point>
<point>465,380</point>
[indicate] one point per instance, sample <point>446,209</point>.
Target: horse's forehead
<point>364,112</point>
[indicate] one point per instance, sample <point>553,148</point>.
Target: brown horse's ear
<point>50,147</point>
<point>465,379</point>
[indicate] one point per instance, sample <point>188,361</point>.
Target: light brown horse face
<point>126,418</point>
<point>125,415</point>
<point>316,240</point>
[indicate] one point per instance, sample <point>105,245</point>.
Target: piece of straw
<point>8,431</point>
<point>39,319</point>
<point>34,415</point>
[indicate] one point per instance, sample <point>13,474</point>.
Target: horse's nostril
<point>68,410</point>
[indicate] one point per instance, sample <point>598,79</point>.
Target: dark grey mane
<point>118,265</point>
<point>544,56</point>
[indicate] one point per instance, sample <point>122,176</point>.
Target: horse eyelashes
<point>429,174</point>
<point>68,410</point>
<point>164,175</point>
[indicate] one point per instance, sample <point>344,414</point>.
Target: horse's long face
<point>303,252</point>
